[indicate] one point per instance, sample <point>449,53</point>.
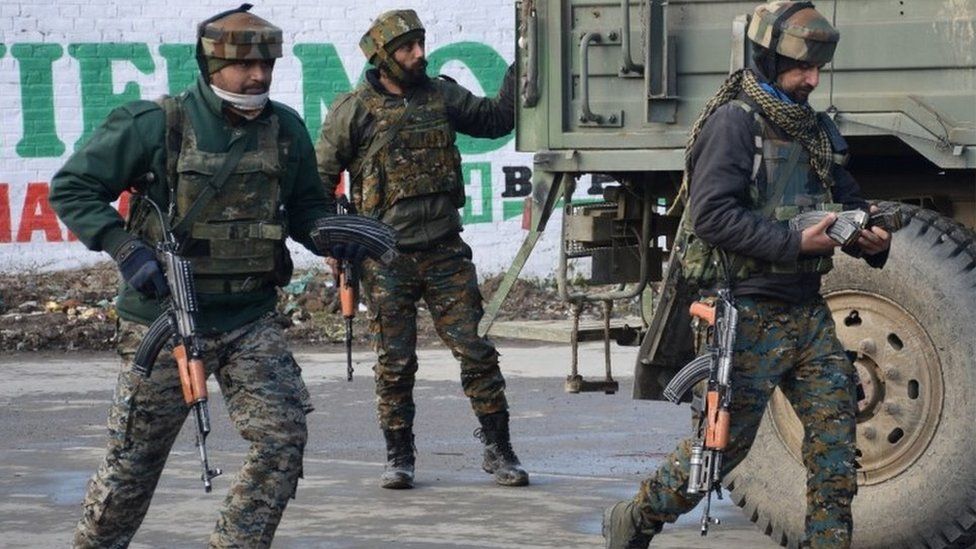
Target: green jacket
<point>130,143</point>
<point>350,128</point>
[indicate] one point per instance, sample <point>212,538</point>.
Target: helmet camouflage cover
<point>388,31</point>
<point>794,30</point>
<point>238,35</point>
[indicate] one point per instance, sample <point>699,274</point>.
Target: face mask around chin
<point>242,101</point>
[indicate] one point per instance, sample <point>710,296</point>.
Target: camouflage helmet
<point>794,30</point>
<point>388,31</point>
<point>235,35</point>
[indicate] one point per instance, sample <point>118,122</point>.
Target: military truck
<point>609,90</point>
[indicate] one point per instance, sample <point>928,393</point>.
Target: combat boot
<point>400,457</point>
<point>622,527</point>
<point>500,459</point>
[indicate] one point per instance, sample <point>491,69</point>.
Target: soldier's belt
<point>237,231</point>
<point>378,238</point>
<point>230,286</point>
<point>820,265</point>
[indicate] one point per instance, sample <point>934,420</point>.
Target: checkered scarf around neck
<point>798,121</point>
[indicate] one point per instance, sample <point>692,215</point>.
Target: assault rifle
<point>347,280</point>
<point>847,228</point>
<point>712,431</point>
<point>178,324</point>
<point>377,239</point>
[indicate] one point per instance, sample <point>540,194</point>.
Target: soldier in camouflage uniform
<point>395,135</point>
<point>758,155</point>
<point>236,244</point>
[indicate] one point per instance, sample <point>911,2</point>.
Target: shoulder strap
<point>173,142</point>
<point>383,139</point>
<point>779,186</point>
<point>238,142</point>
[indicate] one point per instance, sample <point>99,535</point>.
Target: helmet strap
<point>387,63</point>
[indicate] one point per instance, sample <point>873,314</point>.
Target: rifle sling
<point>234,155</point>
<point>779,188</point>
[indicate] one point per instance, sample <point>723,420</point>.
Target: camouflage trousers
<point>267,402</point>
<point>444,277</point>
<point>795,348</point>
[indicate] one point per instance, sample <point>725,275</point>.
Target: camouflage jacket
<point>130,143</point>
<point>427,211</point>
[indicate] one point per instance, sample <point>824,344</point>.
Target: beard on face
<point>803,92</point>
<point>411,76</point>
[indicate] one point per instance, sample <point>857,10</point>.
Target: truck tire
<point>911,329</point>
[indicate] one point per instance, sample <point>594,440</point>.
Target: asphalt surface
<point>583,452</point>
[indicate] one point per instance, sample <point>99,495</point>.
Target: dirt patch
<point>73,310</point>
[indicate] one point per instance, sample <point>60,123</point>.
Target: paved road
<point>583,452</point>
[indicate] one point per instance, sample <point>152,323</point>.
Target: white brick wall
<point>27,25</point>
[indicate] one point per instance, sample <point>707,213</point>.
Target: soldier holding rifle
<point>233,174</point>
<point>758,156</point>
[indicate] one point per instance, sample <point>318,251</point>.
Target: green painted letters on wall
<point>483,197</point>
<point>323,79</point>
<point>488,68</point>
<point>97,97</point>
<point>40,138</point>
<point>181,66</point>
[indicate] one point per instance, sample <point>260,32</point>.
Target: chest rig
<point>782,185</point>
<point>412,152</point>
<point>232,232</point>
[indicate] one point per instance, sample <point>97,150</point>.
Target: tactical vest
<point>236,242</point>
<point>789,187</point>
<point>420,158</point>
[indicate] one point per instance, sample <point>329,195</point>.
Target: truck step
<point>624,331</point>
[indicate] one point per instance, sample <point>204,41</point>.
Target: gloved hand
<point>348,252</point>
<point>139,268</point>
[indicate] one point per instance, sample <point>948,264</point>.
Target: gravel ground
<point>73,310</point>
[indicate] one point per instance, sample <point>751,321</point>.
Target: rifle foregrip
<point>347,293</point>
<point>717,427</point>
<point>152,343</point>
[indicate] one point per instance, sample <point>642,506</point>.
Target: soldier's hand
<point>139,269</point>
<point>874,240</point>
<point>814,239</point>
<point>349,252</point>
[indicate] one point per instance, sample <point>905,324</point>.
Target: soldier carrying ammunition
<point>757,156</point>
<point>235,173</point>
<point>395,135</point>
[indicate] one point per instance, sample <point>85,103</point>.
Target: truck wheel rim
<point>901,377</point>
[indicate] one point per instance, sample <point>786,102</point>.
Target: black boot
<point>398,473</point>
<point>500,459</point>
